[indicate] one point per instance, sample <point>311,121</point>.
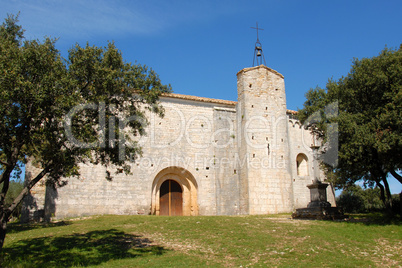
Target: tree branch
<point>396,175</point>
<point>4,163</point>
<point>6,183</point>
<point>26,189</point>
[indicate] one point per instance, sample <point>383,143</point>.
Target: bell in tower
<point>259,50</point>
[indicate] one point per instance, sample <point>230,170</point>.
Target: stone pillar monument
<point>319,207</point>
<point>318,190</point>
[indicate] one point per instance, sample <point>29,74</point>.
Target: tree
<point>351,200</point>
<point>354,199</point>
<point>369,121</point>
<point>61,112</point>
<point>14,190</point>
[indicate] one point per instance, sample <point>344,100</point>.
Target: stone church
<point>205,157</point>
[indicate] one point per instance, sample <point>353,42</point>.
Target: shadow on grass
<point>20,227</point>
<point>376,218</point>
<point>91,248</point>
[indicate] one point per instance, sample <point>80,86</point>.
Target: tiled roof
<point>201,99</point>
<point>208,100</point>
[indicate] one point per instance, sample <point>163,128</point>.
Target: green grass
<point>217,241</point>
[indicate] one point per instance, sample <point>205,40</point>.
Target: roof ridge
<point>211,100</point>
<point>201,99</point>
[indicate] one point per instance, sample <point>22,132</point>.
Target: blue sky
<point>199,46</point>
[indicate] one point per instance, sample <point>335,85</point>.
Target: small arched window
<point>302,165</point>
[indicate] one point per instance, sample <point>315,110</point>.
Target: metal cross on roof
<point>258,54</point>
<point>257,31</point>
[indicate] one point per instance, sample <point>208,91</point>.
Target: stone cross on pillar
<point>318,190</point>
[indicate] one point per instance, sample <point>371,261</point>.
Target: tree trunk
<point>3,228</point>
<point>5,213</point>
<point>388,192</point>
<point>333,191</point>
<point>399,178</point>
<point>400,204</point>
<point>382,192</point>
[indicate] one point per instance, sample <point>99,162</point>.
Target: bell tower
<point>263,144</point>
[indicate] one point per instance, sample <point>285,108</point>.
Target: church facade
<point>205,157</point>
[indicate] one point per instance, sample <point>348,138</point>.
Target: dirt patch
<point>190,248</point>
<point>288,219</point>
<point>387,254</point>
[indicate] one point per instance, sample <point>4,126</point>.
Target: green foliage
<point>356,200</point>
<point>39,88</point>
<point>369,122</point>
<point>61,112</point>
<point>11,31</point>
<point>14,190</point>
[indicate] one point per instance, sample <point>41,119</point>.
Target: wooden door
<point>164,199</point>
<point>176,199</point>
<point>170,199</point>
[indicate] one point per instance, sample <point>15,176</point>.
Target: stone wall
<point>33,206</point>
<point>194,135</point>
<point>300,142</point>
<point>225,162</point>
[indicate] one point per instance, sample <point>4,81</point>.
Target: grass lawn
<point>218,241</point>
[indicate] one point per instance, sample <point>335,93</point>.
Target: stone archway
<point>187,183</point>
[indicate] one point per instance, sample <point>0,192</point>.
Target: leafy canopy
<point>61,112</point>
<point>369,121</point>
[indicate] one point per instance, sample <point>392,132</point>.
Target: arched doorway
<point>182,185</point>
<point>170,199</point>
